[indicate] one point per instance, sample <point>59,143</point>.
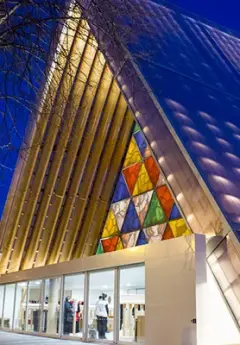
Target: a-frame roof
<point>191,71</point>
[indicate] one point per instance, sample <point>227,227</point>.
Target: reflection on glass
<point>8,306</point>
<point>34,306</point>
<point>1,303</point>
<point>20,306</point>
<point>132,304</point>
<point>225,265</point>
<point>51,306</point>
<point>101,305</point>
<point>73,305</point>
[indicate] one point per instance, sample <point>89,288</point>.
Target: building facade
<point>126,192</point>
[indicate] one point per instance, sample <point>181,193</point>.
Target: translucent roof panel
<point>193,70</point>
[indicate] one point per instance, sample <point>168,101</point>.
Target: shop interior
<point>40,306</point>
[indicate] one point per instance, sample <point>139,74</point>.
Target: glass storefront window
<point>8,306</point>
<point>1,303</point>
<point>101,305</point>
<point>73,305</point>
<point>132,304</point>
<point>34,306</point>
<point>51,306</point>
<point>20,306</point>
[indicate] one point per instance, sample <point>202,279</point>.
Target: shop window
<point>8,306</point>
<point>51,306</point>
<point>73,305</point>
<point>101,305</point>
<point>1,303</point>
<point>34,306</point>
<point>132,304</point>
<point>20,306</point>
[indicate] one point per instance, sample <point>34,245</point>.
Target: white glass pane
<point>101,305</point>
<point>34,306</point>
<point>132,304</point>
<point>20,306</point>
<point>51,306</point>
<point>8,306</point>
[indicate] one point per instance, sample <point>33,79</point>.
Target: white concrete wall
<point>215,324</point>
<point>170,293</point>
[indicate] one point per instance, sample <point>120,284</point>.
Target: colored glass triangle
<point>119,244</point>
<point>100,249</point>
<point>129,240</point>
<point>155,233</point>
<point>152,169</point>
<point>121,190</point>
<point>165,199</point>
<point>155,214</point>
<point>110,227</point>
<point>136,128</point>
<point>110,244</point>
<point>143,183</point>
<point>141,203</point>
<point>161,180</point>
<point>168,234</point>
<point>141,239</point>
<point>141,142</point>
<point>147,152</point>
<point>131,221</point>
<point>119,209</point>
<point>175,213</point>
<point>179,228</point>
<point>133,154</point>
<point>131,174</point>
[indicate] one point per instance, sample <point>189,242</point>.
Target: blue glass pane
<point>141,142</point>
<point>175,213</point>
<point>141,239</point>
<point>121,191</point>
<point>131,221</point>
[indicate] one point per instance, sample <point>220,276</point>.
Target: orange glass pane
<point>131,175</point>
<point>110,244</point>
<point>152,169</point>
<point>166,199</point>
<point>168,234</point>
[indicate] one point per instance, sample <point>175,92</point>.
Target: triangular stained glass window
<point>129,240</point>
<point>142,209</point>
<point>131,174</point>
<point>175,213</point>
<point>100,248</point>
<point>109,244</point>
<point>152,169</point>
<point>155,213</point>
<point>179,228</point>
<point>141,143</point>
<point>133,154</point>
<point>142,203</point>
<point>143,183</point>
<point>155,233</point>
<point>165,199</point>
<point>110,227</point>
<point>131,221</point>
<point>119,209</point>
<point>141,239</point>
<point>121,192</point>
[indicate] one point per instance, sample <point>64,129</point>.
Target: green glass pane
<point>136,128</point>
<point>99,249</point>
<point>155,214</point>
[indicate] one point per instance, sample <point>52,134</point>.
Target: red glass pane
<point>109,244</point>
<point>152,169</point>
<point>165,199</point>
<point>131,175</point>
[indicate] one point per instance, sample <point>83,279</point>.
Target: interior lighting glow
<point>175,105</point>
<point>233,203</point>
<point>124,87</point>
<point>193,132</point>
<point>190,218</point>
<point>222,180</point>
<point>202,147</point>
<point>170,177</point>
<point>183,117</point>
<point>233,157</point>
<point>153,144</point>
<point>146,129</point>
<point>211,163</point>
<point>137,114</point>
<point>161,160</point>
<point>224,142</point>
<point>213,128</point>
<point>237,136</point>
<point>206,116</point>
<point>179,197</point>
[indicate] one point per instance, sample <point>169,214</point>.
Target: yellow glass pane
<point>143,183</point>
<point>119,245</point>
<point>110,227</point>
<point>133,154</point>
<point>179,228</point>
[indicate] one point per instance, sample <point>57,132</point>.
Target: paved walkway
<point>17,339</point>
